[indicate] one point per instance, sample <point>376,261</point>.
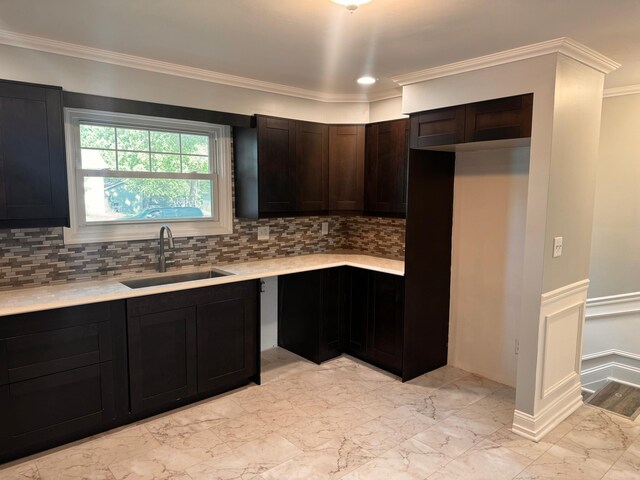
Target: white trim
<point>563,45</point>
<point>80,232</point>
<point>619,91</point>
<point>42,44</point>
<point>611,352</point>
<point>613,299</point>
<point>535,427</point>
<point>563,292</point>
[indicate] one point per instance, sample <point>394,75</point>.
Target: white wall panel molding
<point>619,91</point>
<point>558,385</point>
<point>564,45</point>
<point>612,343</point>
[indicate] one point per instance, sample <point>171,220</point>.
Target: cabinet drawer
<point>38,354</point>
<point>58,406</point>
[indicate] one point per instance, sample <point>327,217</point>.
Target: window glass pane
<point>133,162</point>
<point>98,159</point>
<point>95,136</point>
<point>193,164</point>
<point>161,162</point>
<point>165,142</point>
<point>197,144</point>
<point>130,139</point>
<point>140,199</point>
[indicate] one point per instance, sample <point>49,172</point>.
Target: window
<point>128,174</point>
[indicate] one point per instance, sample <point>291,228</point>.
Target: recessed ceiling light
<point>351,5</point>
<point>366,80</point>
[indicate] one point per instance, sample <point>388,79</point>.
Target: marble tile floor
<point>346,419</point>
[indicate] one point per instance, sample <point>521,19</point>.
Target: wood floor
<point>618,398</point>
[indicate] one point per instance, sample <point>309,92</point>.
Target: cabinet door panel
<point>386,167</point>
<point>503,118</point>
<point>276,157</point>
<point>162,358</point>
<point>346,167</point>
<point>312,167</point>
<point>444,126</point>
<point>357,312</point>
<point>331,321</point>
<point>226,337</point>
<point>32,159</point>
<point>386,321</point>
<point>58,406</point>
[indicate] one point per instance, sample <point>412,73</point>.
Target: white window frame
<point>220,152</point>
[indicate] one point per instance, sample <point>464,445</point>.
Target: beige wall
<point>489,211</point>
<point>615,251</point>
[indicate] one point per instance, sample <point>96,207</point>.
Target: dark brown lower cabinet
<point>375,318</point>
<point>310,312</point>
<point>62,376</point>
<point>190,344</point>
<point>324,313</point>
<point>162,357</point>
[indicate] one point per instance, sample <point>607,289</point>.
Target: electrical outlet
<point>557,247</point>
<point>325,228</point>
<point>263,233</point>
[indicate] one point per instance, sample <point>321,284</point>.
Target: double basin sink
<point>177,278</point>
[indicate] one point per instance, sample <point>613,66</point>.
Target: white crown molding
<point>564,45</point>
<point>141,63</point>
<point>619,91</point>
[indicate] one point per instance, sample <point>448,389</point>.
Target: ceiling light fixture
<point>351,5</point>
<point>366,80</point>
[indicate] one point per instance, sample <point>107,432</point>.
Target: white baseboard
<point>536,427</point>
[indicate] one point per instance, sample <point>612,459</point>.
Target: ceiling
<point>317,45</point>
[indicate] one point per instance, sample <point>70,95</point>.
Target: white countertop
<point>23,300</point>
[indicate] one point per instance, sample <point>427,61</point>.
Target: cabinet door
<point>276,158</point>
<point>444,126</point>
<point>300,313</point>
<point>331,320</point>
<point>357,311</point>
<point>386,167</point>
<point>227,324</point>
<point>162,357</point>
<point>48,410</point>
<point>312,167</point>
<point>33,179</point>
<point>386,321</point>
<point>346,167</point>
<point>499,119</point>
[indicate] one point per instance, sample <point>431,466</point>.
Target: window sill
<point>123,233</point>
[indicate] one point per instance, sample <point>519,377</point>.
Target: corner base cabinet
<point>62,376</point>
<point>191,344</point>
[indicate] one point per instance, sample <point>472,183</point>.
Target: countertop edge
<point>48,300</point>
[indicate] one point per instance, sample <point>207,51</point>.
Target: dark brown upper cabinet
<point>276,163</point>
<point>346,168</point>
<point>387,148</point>
<point>281,168</point>
<point>33,173</point>
<point>444,126</point>
<point>312,167</point>
<point>499,119</point>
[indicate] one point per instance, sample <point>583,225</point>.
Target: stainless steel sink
<point>177,278</point>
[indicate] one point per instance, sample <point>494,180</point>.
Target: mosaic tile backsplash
<point>38,256</point>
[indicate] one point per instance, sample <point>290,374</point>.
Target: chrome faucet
<point>162,262</point>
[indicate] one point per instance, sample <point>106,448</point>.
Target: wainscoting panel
<point>562,314</point>
<point>611,341</point>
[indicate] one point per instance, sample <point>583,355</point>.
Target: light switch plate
<point>325,228</point>
<point>263,233</point>
<point>557,247</point>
